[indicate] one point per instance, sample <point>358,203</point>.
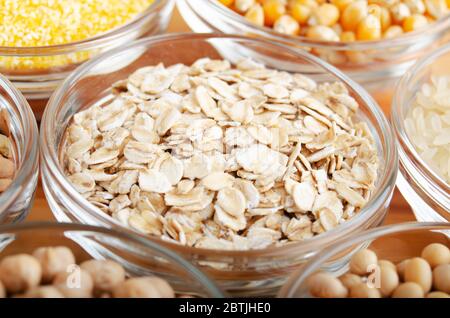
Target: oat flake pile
<point>218,157</point>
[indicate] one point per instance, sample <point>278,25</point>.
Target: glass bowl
<point>138,256</point>
<point>16,201</point>
<point>393,243</point>
<point>375,64</point>
<point>254,272</point>
<point>39,83</point>
<point>426,192</point>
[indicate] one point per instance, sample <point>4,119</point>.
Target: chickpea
<point>401,269</point>
<point>144,287</point>
<point>53,260</point>
<point>324,285</point>
<point>76,284</point>
<point>419,271</point>
<point>441,278</point>
<point>349,280</point>
<point>105,273</point>
<point>362,290</point>
<point>43,292</point>
<point>2,290</point>
<point>388,280</point>
<point>408,290</point>
<point>383,262</point>
<point>362,260</point>
<point>436,254</point>
<point>438,294</point>
<point>20,272</point>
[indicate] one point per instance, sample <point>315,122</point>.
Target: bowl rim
<point>387,177</point>
<point>398,121</point>
<point>30,149</point>
<point>297,278</point>
<point>407,38</point>
<point>207,283</point>
<point>95,41</point>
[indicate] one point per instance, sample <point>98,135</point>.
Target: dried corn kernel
<point>300,12</point>
<point>436,8</point>
<point>323,33</point>
<point>393,31</point>
<point>243,5</point>
<point>385,18</point>
<point>326,14</point>
<point>383,3</point>
<point>369,29</point>
<point>255,14</point>
<point>414,22</point>
<point>374,9</point>
<point>286,25</point>
<point>273,9</point>
<point>308,3</point>
<point>227,3</point>
<point>353,14</point>
<point>341,4</point>
<point>348,36</point>
<point>29,23</point>
<point>394,17</point>
<point>415,6</point>
<point>400,12</point>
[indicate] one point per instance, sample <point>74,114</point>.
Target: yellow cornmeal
<point>26,23</point>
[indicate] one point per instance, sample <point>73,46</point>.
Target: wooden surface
<point>399,210</point>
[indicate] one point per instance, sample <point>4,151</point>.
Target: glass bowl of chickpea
<point>40,259</point>
<point>373,41</point>
<point>409,260</point>
<point>19,158</point>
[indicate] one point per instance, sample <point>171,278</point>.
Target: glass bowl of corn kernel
<point>19,158</point>
<point>38,258</point>
<point>420,117</point>
<point>42,41</point>
<point>197,175</point>
<point>373,41</point>
<point>382,263</point>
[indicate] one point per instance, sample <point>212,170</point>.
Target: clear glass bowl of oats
<point>375,64</point>
<point>57,42</point>
<point>18,154</point>
<point>138,257</point>
<point>420,116</point>
<point>391,244</point>
<point>234,152</point>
